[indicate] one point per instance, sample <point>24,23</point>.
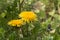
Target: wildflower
<point>17,22</point>
<point>28,16</point>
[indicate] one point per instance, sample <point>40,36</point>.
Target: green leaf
<point>3,15</point>
<point>2,31</point>
<point>52,13</point>
<point>12,36</point>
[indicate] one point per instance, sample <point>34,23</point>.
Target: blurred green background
<point>47,28</point>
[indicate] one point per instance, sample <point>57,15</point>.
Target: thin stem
<point>20,5</point>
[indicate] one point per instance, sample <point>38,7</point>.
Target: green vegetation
<point>47,27</point>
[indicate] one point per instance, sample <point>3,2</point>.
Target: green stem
<point>25,32</point>
<point>20,5</point>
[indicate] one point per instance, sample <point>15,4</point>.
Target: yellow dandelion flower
<point>17,22</point>
<point>28,16</point>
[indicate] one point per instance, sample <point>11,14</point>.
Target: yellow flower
<point>17,22</point>
<point>28,16</point>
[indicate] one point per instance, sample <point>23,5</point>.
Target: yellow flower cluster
<point>17,23</point>
<point>26,16</point>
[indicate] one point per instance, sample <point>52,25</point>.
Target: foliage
<point>46,27</point>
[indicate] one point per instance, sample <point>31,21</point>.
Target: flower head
<point>17,22</point>
<point>28,16</point>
